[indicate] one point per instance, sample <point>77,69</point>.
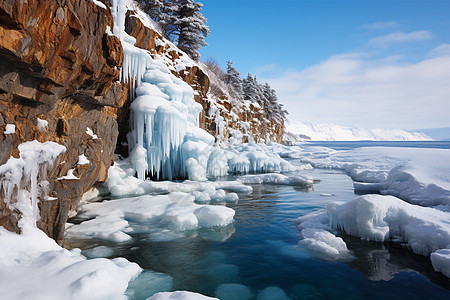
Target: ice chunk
<point>99,251</point>
<point>275,178</point>
<point>173,212</point>
<point>381,218</point>
<point>272,293</point>
<point>212,216</point>
<point>324,244</point>
<point>233,291</point>
<point>108,227</point>
<point>149,283</point>
<point>180,295</point>
<point>441,261</point>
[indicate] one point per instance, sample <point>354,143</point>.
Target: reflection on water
<point>382,261</point>
<point>259,254</point>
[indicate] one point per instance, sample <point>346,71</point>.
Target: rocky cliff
<point>59,76</point>
<point>60,81</point>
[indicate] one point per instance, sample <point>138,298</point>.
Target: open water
<point>260,250</point>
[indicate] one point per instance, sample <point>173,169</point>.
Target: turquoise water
<point>260,249</point>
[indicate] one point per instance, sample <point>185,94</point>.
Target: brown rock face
<point>57,64</point>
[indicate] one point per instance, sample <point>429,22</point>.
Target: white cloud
<point>400,37</point>
<point>441,50</point>
<point>360,91</point>
<point>379,25</point>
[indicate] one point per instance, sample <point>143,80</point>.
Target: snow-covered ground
<point>296,132</point>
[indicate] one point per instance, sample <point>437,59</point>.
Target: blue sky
<point>362,63</point>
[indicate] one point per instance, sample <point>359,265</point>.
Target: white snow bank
<point>179,295</point>
<point>173,212</point>
<point>275,178</point>
<point>416,175</point>
<point>381,218</point>
<point>297,132</point>
<point>32,266</point>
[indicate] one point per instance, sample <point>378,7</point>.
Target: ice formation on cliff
<point>165,140</point>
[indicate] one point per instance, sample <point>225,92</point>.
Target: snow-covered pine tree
<point>154,8</point>
<point>181,22</point>
<point>233,79</point>
<point>162,12</point>
<point>252,90</point>
<point>192,27</point>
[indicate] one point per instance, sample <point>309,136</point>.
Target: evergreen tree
<point>190,26</point>
<point>154,8</point>
<point>181,22</point>
<point>251,89</point>
<point>233,79</point>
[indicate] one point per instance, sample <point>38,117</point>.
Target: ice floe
<point>424,230</point>
<point>416,175</point>
<point>171,213</point>
<point>179,295</point>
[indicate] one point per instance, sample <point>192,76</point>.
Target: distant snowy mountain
<point>438,134</point>
<point>296,131</point>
